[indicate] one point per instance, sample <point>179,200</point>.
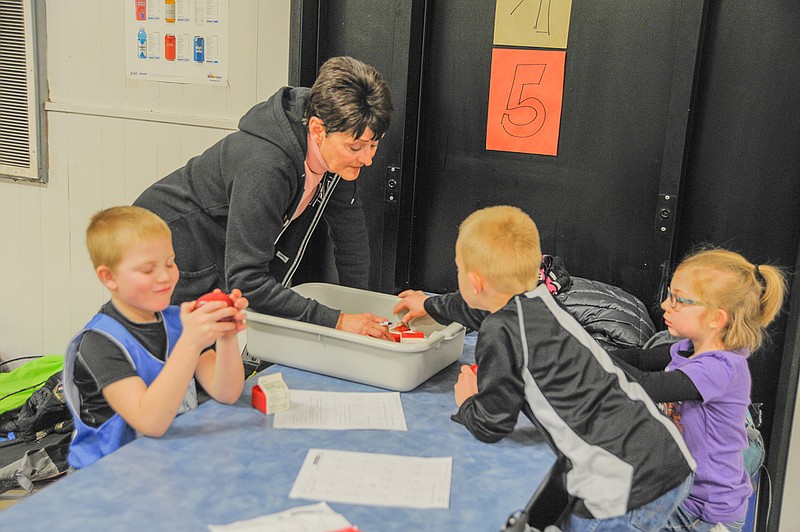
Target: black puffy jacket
<point>615,318</point>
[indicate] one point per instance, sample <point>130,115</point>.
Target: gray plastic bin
<point>390,365</point>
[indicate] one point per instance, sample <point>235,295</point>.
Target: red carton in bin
<point>408,337</point>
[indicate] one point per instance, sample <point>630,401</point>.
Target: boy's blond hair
<point>501,244</point>
<point>752,295</point>
<point>113,230</point>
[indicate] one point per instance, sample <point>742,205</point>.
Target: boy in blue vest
<point>624,466</point>
<point>132,368</point>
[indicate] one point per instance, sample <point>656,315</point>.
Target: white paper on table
<point>342,411</point>
<point>311,518</point>
<point>374,479</point>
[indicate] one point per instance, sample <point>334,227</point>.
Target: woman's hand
<point>364,324</point>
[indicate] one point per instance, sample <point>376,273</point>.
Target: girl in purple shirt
<point>720,304</point>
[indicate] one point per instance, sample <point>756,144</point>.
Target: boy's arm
<point>448,308</point>
<point>492,413</point>
<point>152,409</point>
<point>220,370</point>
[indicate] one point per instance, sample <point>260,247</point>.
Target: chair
<point>548,505</point>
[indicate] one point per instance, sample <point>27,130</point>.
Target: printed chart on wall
<point>527,84</point>
<point>178,41</point>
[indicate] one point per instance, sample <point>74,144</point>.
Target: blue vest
<point>89,444</point>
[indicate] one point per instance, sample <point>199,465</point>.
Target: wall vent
<point>22,139</point>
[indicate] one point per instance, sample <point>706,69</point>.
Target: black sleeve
<point>661,386</point>
<point>103,360</point>
<point>450,308</point>
<point>263,187</point>
<point>348,229</point>
<point>492,413</point>
<point>653,359</point>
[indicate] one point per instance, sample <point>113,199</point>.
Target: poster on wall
<point>178,41</point>
<point>534,23</point>
<point>525,96</point>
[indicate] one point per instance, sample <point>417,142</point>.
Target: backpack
<point>18,385</point>
<point>37,438</point>
<point>755,453</point>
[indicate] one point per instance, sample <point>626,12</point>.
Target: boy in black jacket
<point>625,465</point>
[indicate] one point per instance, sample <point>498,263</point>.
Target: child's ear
<point>476,281</point>
<point>720,320</point>
<point>106,277</point>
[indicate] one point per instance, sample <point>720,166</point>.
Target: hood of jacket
<point>279,121</point>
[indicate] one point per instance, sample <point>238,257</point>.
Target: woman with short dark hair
<point>242,212</point>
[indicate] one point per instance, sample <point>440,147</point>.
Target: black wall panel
<point>595,203</point>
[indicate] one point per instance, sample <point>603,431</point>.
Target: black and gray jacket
<point>230,210</point>
<point>617,451</point>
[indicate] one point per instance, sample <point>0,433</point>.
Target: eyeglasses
<point>674,300</point>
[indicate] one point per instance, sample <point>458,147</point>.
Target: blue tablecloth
<point>219,464</point>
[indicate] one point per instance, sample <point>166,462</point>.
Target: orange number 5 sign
<point>525,95</point>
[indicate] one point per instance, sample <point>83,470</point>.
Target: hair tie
<point>759,277</point>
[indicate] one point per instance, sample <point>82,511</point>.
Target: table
<point>224,463</point>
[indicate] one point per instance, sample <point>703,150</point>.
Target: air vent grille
<point>18,96</point>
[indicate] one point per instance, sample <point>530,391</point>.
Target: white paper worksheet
<point>342,411</point>
<point>374,479</point>
<point>312,518</point>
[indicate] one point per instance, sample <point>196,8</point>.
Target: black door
<point>606,203</point>
<point>387,35</point>
<point>627,89</point>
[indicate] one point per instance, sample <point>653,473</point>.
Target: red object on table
<point>259,399</point>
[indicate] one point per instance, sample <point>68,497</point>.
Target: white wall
<point>109,138</point>
<point>790,510</point>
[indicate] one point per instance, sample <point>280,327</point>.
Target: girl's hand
<point>467,384</point>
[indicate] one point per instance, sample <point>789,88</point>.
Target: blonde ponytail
<point>774,284</point>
